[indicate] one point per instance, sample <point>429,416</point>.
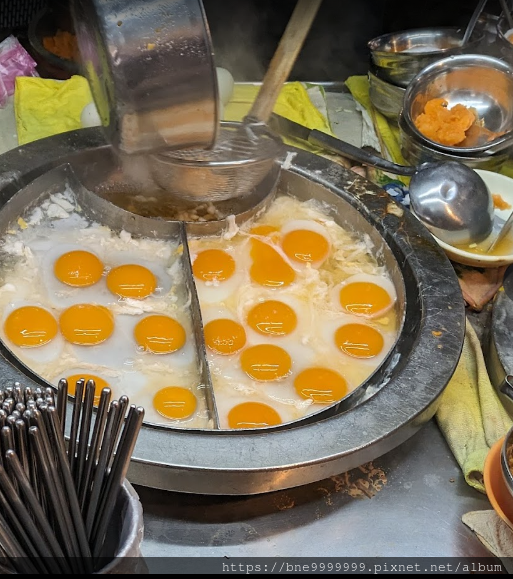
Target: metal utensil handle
<point>284,58</point>
<point>473,21</point>
<point>355,154</point>
<point>506,12</point>
<point>502,233</point>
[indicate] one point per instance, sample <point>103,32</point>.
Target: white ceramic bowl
<point>498,185</point>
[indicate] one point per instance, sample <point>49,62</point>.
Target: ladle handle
<point>506,12</point>
<point>359,155</point>
<point>473,21</point>
<point>284,58</point>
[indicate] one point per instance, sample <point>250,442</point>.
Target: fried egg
<point>218,273</point>
<point>305,242</point>
<point>117,350</point>
<point>31,332</point>
<point>162,340</point>
<point>278,318</point>
<point>74,274</point>
<point>357,343</point>
<point>174,403</point>
<point>369,296</point>
<point>253,411</point>
<point>269,268</point>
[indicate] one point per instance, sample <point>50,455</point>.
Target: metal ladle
<point>451,199</point>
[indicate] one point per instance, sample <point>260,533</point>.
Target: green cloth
<point>471,416</point>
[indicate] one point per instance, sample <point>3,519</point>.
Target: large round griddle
<point>499,353</point>
<point>391,406</point>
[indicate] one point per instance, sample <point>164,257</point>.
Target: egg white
<point>379,280</point>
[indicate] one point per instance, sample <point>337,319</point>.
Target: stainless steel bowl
<point>387,98</point>
<point>400,56</point>
<point>481,82</point>
<point>416,151</point>
<point>151,72</point>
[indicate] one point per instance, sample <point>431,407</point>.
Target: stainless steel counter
<point>408,503</point>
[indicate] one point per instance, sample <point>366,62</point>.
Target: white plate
<point>503,186</point>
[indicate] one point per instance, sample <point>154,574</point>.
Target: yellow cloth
<point>45,107</point>
<point>293,103</point>
<point>471,416</point>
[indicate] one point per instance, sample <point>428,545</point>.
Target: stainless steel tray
<point>396,401</point>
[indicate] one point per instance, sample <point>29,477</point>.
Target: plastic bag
<point>14,61</point>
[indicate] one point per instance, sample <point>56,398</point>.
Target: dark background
<point>246,32</point>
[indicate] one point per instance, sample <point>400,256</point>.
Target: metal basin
<point>393,403</point>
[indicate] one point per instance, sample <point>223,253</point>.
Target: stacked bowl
<point>413,68</point>
<point>397,58</point>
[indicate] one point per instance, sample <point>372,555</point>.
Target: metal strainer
<point>244,153</point>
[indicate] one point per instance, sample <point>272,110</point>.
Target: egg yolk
<point>131,281</point>
<point>159,334</point>
<point>175,402</point>
<point>321,385</point>
<point>99,385</point>
<point>305,246</point>
<point>213,265</point>
<point>266,362</point>
<point>253,415</point>
<point>359,341</point>
<point>269,268</point>
<point>86,324</point>
<point>364,298</point>
<point>224,336</point>
<point>30,327</point>
<point>264,230</point>
<point>78,268</point>
<point>272,318</point>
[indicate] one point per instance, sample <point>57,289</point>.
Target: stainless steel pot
<point>151,71</point>
<point>400,56</point>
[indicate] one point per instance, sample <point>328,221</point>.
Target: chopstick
<point>56,502</point>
